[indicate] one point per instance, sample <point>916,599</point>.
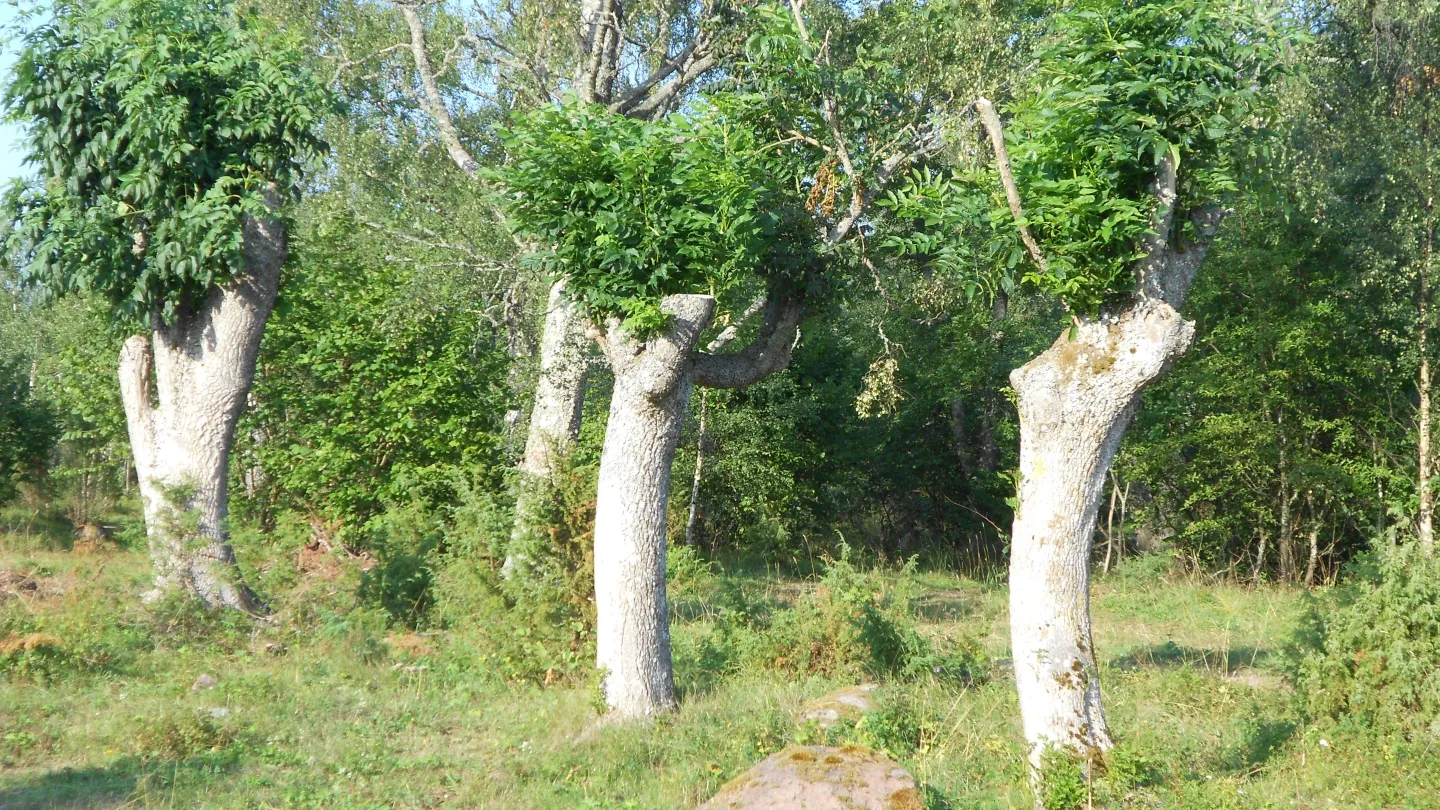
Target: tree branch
<point>433,101</point>
<point>769,352</point>
<point>1167,269</point>
<point>991,120</point>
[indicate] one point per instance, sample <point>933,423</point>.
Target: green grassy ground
<point>346,714</point>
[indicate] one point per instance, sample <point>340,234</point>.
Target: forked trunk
<point>653,382</point>
<point>554,427</point>
<point>647,411</point>
<point>184,390</point>
<point>1075,401</point>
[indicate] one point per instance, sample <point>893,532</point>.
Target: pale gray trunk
<point>647,411</point>
<point>693,517</point>
<point>653,382</point>
<point>184,389</point>
<point>554,427</point>
<point>560,389</point>
<point>1075,401</point>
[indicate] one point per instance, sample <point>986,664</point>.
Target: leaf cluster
<point>1119,84</point>
<point>631,211</point>
<point>157,126</point>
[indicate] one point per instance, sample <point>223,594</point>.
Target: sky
<point>10,165</point>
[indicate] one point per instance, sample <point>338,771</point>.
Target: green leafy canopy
<point>629,211</point>
<point>161,118</point>
<point>1119,84</point>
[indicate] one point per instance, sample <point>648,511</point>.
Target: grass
<point>328,707</point>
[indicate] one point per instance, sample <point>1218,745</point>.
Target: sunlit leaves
<point>632,211</point>
<point>156,125</point>
<point>1116,86</point>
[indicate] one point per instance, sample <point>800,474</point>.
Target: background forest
<point>424,616</point>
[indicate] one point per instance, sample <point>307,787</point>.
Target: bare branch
<point>1012,193</point>
<point>1168,269</point>
<point>434,103</point>
<point>769,352</point>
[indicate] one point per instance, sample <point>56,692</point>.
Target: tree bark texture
<point>1426,518</point>
<point>1075,401</point>
<point>647,411</point>
<point>554,427</point>
<point>184,389</point>
<point>654,378</point>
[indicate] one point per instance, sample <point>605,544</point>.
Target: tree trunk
<point>554,427</point>
<point>1075,401</point>
<point>1285,538</point>
<point>700,447</point>
<point>1110,523</point>
<point>1260,559</point>
<point>1426,528</point>
<point>653,381</point>
<point>647,411</point>
<point>960,438</point>
<point>184,390</point>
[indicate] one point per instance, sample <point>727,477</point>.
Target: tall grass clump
<point>853,625</point>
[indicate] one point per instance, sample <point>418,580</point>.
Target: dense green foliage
<point>630,211</point>
<point>373,506</point>
<point>1118,87</point>
<point>1374,658</point>
<point>157,126</point>
<point>28,429</point>
<point>378,384</point>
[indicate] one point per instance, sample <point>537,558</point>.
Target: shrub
<point>1373,657</point>
<point>179,736</point>
<point>538,627</point>
<point>858,624</point>
<point>895,726</point>
<point>405,538</point>
<point>1062,784</point>
<point>855,624</point>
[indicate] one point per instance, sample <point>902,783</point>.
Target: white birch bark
<point>184,389</point>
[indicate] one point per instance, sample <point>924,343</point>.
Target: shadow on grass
<point>1261,740</point>
<point>1171,655</point>
<point>100,788</point>
<point>946,605</point>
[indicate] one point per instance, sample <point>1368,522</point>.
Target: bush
<point>179,736</point>
<point>854,625</point>
<point>405,538</point>
<point>1373,657</point>
<point>535,627</point>
<point>895,726</point>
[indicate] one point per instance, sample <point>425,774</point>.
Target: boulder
<point>817,777</point>
<point>851,701</point>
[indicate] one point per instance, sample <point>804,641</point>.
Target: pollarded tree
<point>168,135</point>
<point>636,60</point>
<point>1140,121</point>
<point>652,222</point>
<point>769,184</point>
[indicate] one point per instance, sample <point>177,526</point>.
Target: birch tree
<point>168,137</point>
